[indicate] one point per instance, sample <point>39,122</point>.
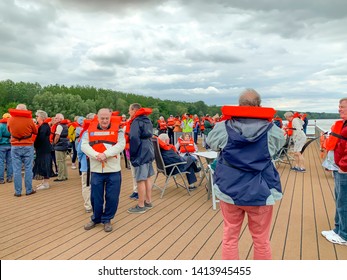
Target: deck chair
<point>282,155</point>
<point>211,189</point>
<point>161,168</point>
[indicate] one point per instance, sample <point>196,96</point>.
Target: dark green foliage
<point>80,100</point>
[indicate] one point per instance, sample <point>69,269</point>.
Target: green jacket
<point>4,135</point>
<point>208,127</point>
<point>187,126</point>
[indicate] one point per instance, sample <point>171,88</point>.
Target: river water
<point>325,125</point>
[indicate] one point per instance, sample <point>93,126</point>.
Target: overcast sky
<point>294,52</point>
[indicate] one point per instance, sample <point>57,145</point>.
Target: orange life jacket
<point>186,146</point>
<point>289,128</point>
<point>165,146</point>
<point>230,111</point>
<point>74,124</point>
<point>20,113</point>
<point>196,122</point>
<point>331,140</point>
<point>85,127</point>
<point>177,125</point>
<point>162,125</point>
<point>48,120</point>
<point>97,137</point>
<point>54,129</point>
<point>126,135</point>
<point>171,121</point>
<point>140,112</point>
<point>296,115</point>
<point>202,124</point>
<point>34,135</point>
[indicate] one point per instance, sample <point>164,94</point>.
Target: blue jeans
<point>22,155</point>
<point>105,185</point>
<point>5,157</point>
<point>341,204</point>
<point>196,133</point>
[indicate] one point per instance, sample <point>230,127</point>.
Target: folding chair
<point>211,189</point>
<point>161,168</point>
<point>283,153</point>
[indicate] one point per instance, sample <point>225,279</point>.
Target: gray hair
<point>108,110</point>
<point>21,107</point>
<point>90,116</point>
<point>42,114</point>
<point>249,97</point>
<point>163,137</point>
<point>288,114</point>
<point>59,116</point>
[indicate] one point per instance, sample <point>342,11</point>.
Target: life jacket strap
<point>23,137</point>
<point>338,136</point>
<point>92,143</point>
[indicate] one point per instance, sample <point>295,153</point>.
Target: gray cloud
<point>107,6</point>
<point>292,52</point>
<point>112,57</point>
<point>214,57</point>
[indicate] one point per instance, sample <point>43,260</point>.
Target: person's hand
<point>101,157</point>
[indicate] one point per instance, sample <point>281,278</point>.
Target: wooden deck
<point>49,224</point>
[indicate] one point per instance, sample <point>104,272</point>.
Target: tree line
<point>80,100</point>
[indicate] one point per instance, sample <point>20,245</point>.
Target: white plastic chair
<point>211,189</point>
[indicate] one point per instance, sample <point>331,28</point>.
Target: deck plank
<point>49,224</point>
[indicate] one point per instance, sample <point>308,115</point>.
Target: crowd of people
<point>246,183</point>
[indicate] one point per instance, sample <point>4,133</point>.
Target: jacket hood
<point>249,128</point>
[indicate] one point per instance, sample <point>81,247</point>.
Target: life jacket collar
<point>20,113</point>
<point>230,111</point>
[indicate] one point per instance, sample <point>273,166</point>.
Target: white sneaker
<point>336,239</point>
<point>42,187</point>
<point>73,166</point>
<point>325,233</point>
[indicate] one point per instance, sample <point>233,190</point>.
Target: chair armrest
<point>175,164</point>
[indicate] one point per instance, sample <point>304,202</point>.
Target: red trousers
<point>259,223</point>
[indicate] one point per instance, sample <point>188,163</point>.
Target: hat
<point>6,116</point>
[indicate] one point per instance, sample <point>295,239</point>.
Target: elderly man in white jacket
<point>103,144</point>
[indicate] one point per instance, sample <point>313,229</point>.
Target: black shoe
<point>9,180</point>
<point>32,192</point>
<point>192,188</point>
<point>134,196</point>
<point>17,195</point>
<point>59,180</point>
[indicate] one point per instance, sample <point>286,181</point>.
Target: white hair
<point>163,137</point>
<point>21,107</point>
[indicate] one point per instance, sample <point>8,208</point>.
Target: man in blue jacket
<point>141,155</point>
<point>246,181</point>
